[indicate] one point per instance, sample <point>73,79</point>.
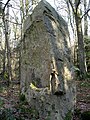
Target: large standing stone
<point>46,67</point>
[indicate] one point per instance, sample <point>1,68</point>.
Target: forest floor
<point>82,111</point>
<point>11,108</point>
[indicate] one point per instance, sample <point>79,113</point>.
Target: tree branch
<point>88,17</point>
<point>70,15</point>
<point>14,22</point>
<point>6,5</point>
<point>71,6</point>
<point>77,4</point>
<point>85,13</point>
<point>88,4</point>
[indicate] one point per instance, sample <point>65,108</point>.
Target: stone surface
<point>47,76</point>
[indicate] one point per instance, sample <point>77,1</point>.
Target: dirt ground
<point>11,108</point>
<point>82,99</point>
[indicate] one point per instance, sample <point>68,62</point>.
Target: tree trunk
<point>27,7</point>
<point>81,50</point>
<point>4,61</point>
<point>85,20</point>
<point>8,49</point>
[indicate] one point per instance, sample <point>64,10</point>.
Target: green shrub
<point>68,116</point>
<point>85,115</point>
<point>1,103</point>
<point>7,114</point>
<point>22,97</point>
<point>5,75</point>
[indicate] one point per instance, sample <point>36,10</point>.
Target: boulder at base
<point>47,77</point>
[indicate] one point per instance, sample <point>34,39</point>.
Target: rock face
<point>46,67</point>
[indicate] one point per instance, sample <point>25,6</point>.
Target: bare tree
<point>5,23</point>
<point>81,51</point>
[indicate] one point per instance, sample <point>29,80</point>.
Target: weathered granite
<point>47,76</point>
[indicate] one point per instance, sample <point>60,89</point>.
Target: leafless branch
<point>77,4</point>
<point>71,6</point>
<point>6,4</point>
<point>70,16</point>
<point>85,13</point>
<point>88,4</point>
<point>14,22</point>
<point>88,16</point>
